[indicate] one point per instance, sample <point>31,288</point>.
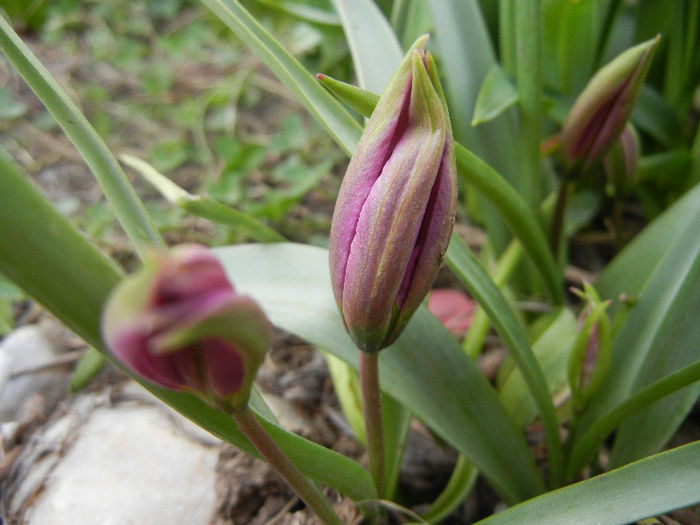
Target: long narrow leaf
<point>657,337</point>
<point>425,368</point>
<point>375,50</point>
<point>649,487</point>
<point>466,55</point>
<point>127,206</point>
<point>465,266</point>
<point>328,111</point>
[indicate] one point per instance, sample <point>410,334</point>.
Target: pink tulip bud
<point>601,111</point>
<point>179,323</point>
<point>396,206</point>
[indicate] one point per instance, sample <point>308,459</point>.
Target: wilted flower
<point>601,111</point>
<point>179,323</point>
<point>395,211</point>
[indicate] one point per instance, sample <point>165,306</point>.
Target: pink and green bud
<point>603,108</point>
<point>620,162</point>
<point>396,206</point>
<point>179,323</point>
<point>589,358</point>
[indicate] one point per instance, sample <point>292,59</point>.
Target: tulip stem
<point>372,410</point>
<point>558,220</point>
<point>304,488</point>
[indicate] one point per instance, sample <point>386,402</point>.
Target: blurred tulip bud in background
<point>395,210</point>
<point>589,359</point>
<point>620,162</point>
<point>602,110</point>
<point>179,323</point>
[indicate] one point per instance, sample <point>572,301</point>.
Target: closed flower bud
<point>601,111</point>
<point>396,206</point>
<point>589,358</point>
<point>620,162</point>
<point>179,323</point>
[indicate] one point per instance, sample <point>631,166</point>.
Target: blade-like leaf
<point>466,55</point>
<point>551,349</point>
<point>328,111</point>
<point>375,50</point>
<point>649,487</point>
<point>497,94</point>
<point>116,187</point>
<point>658,336</point>
<point>425,368</point>
<point>480,286</point>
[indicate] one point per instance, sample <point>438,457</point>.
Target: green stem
<point>594,436</point>
<point>127,206</point>
<point>557,228</point>
<point>528,76</point>
<point>372,410</point>
<point>305,489</point>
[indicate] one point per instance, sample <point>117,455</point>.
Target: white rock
<point>25,348</point>
<point>125,464</point>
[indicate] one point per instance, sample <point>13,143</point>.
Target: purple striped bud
<point>396,206</point>
<point>179,323</point>
<point>601,111</point>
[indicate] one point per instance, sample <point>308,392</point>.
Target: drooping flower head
<point>395,210</point>
<point>179,323</point>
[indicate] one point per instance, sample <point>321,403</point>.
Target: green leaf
<point>116,186</point>
<point>459,486</point>
<point>497,94</point>
<point>551,349</point>
<point>425,368</point>
<point>649,487</point>
<point>203,206</point>
<point>317,101</point>
<point>480,286</point>
<point>653,115</point>
<point>410,19</point>
<point>375,50</point>
<point>87,368</point>
<point>466,55</point>
<point>663,266</point>
<point>67,274</point>
<point>308,13</point>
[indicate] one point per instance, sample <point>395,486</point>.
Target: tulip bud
<point>601,111</point>
<point>620,162</point>
<point>589,358</point>
<point>179,323</point>
<point>396,206</point>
